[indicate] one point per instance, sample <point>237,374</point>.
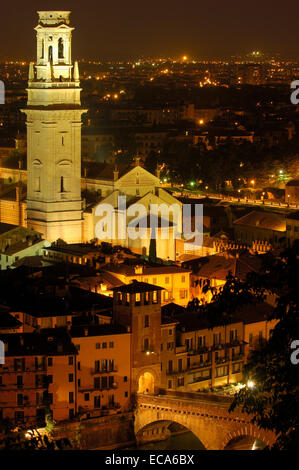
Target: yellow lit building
<point>103,369</point>
<point>174,280</point>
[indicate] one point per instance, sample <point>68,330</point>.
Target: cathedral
<point>54,206</point>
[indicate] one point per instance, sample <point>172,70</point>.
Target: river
<point>186,441</point>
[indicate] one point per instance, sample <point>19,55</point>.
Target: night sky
<point>124,29</point>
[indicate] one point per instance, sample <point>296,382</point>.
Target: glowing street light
<point>250,384</point>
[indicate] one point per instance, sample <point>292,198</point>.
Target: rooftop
<point>263,220</point>
<point>136,287</point>
<point>50,342</point>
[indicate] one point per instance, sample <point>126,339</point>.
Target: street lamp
<point>250,384</point>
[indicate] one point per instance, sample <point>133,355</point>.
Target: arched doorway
<point>146,383</point>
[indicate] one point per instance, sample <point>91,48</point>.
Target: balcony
<point>237,357</point>
<point>221,360</point>
<point>101,371</point>
<point>200,365</point>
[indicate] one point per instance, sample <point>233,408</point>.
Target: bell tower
<point>54,205</point>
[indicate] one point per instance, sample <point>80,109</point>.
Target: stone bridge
<point>206,416</point>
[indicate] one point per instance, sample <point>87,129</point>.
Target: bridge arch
<point>248,430</point>
<point>146,416</point>
<point>207,418</point>
<point>160,429</point>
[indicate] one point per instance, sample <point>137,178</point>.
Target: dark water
<point>186,441</point>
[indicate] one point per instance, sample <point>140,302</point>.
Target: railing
<point>101,371</point>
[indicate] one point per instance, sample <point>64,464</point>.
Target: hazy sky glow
<point>127,29</point>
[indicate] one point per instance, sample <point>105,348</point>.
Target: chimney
<point>17,193</point>
<point>158,171</point>
<point>115,174</point>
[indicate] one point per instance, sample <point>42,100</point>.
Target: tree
<point>274,399</point>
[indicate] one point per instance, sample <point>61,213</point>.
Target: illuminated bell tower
<point>54,205</point>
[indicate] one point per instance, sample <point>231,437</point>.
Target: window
<point>125,378</point>
<point>19,364</point>
<point>97,401</point>
<point>50,379</point>
<point>167,280</point>
<point>98,345</point>
<point>146,321</point>
<point>155,297</point>
<point>71,397</point>
<point>71,413</point>
<point>169,383</point>
<point>111,344</point>
<point>181,382</point>
<point>170,332</point>
<point>19,399</point>
<point>216,339</point>
<point>260,337</point>
<point>233,335</point>
<point>71,377</point>
<point>86,396</point>
<point>60,49</point>
<point>183,294</point>
<point>180,365</point>
<point>137,298</point>
<point>111,364</point>
<point>104,383</point>
<point>97,366</point>
<point>104,345</point>
<point>146,344</point>
<point>183,279</point>
<point>250,339</point>
<point>79,382</point>
<point>19,416</point>
<point>111,381</point>
<point>71,360</point>
<point>104,365</point>
<point>19,381</point>
<point>170,366</point>
<point>221,371</point>
<point>97,383</point>
<point>237,367</point>
<point>126,394</point>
